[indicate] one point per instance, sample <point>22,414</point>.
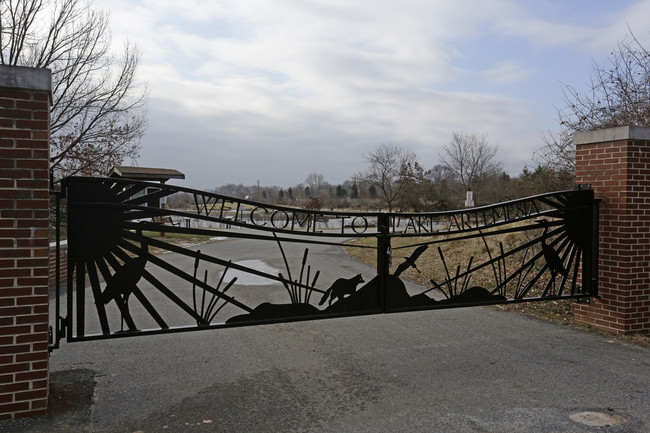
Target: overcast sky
<point>272,90</point>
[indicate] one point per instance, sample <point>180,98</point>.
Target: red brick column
<point>24,221</point>
<point>616,162</point>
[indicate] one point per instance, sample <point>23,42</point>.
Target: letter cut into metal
<point>137,267</point>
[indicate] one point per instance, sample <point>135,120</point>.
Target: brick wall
<point>24,245</point>
<point>616,162</point>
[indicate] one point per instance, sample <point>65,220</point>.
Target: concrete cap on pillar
<point>618,133</point>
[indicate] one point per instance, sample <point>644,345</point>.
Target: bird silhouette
<point>550,255</point>
<point>121,284</point>
<point>409,262</point>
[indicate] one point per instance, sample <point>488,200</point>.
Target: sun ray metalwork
<point>134,271</point>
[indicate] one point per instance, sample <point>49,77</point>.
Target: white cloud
<point>589,27</point>
<point>507,72</point>
<point>286,88</point>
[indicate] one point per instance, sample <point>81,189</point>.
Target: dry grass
<point>444,260</point>
<point>456,256</point>
<point>179,239</point>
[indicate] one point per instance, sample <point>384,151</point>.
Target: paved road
<point>459,370</point>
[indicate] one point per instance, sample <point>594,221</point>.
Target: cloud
<point>247,89</point>
<point>583,26</point>
<point>507,72</point>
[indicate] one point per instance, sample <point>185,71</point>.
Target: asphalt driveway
<point>458,370</point>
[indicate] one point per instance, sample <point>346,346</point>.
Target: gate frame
<point>588,269</point>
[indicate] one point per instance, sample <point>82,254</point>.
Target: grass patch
<point>553,311</point>
<point>448,258</point>
<point>178,238</point>
<point>458,253</point>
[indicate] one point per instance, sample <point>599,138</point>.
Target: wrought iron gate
<point>121,282</point>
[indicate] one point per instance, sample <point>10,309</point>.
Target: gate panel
<point>128,276</point>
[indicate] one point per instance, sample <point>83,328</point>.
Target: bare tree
<point>619,93</point>
<point>471,158</point>
<point>557,159</point>
<point>98,116</point>
<point>390,170</point>
<point>315,182</point>
<point>442,189</point>
<point>558,151</point>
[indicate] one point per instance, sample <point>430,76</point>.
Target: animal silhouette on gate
<point>340,288</point>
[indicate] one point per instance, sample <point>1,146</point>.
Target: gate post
<point>383,256</point>
<point>25,95</point>
<point>616,162</point>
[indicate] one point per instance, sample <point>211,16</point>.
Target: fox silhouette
<point>340,288</point>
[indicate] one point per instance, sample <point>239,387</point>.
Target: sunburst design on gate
<point>108,243</point>
<point>117,255</point>
<point>546,264</point>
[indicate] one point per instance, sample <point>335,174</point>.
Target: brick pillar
<point>616,162</point>
<point>24,220</point>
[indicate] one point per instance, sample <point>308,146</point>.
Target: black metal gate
<point>122,282</point>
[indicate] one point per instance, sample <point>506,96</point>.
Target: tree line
<point>98,118</point>
<point>394,179</point>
